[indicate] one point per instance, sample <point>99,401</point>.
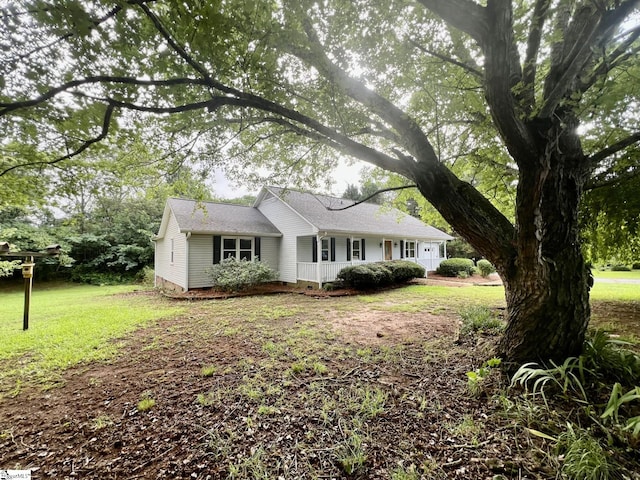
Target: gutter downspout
<point>155,262</point>
<point>187,260</point>
<point>319,263</point>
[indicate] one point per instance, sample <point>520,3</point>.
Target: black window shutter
<point>217,244</point>
<point>333,249</point>
<point>348,249</point>
<point>401,248</point>
<point>314,249</point>
<point>362,250</point>
<point>256,247</point>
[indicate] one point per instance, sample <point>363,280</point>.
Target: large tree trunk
<point>547,285</point>
<point>547,309</point>
<point>540,260</point>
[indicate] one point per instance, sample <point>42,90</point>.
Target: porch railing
<point>308,271</point>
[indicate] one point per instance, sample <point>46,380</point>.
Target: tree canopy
<point>469,100</point>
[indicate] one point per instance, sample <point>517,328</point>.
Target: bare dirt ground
<point>297,391</point>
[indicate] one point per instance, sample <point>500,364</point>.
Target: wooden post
<point>28,284</point>
<point>27,272</point>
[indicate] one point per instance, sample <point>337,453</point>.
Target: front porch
<point>321,257</point>
<point>324,272</point>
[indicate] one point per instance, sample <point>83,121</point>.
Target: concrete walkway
<point>632,281</point>
<point>494,280</point>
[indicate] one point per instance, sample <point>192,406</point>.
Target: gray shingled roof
<point>364,218</point>
<point>210,217</point>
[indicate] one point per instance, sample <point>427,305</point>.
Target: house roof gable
<point>364,218</point>
<point>223,218</point>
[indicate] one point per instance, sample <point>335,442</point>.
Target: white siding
<point>200,259</point>
<point>175,272</point>
<point>373,250</point>
<point>270,251</point>
<point>292,226</point>
<point>305,249</point>
<point>341,249</point>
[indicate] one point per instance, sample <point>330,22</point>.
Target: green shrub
<point>452,267</point>
<point>485,267</point>
<point>231,275</point>
<point>479,319</point>
<point>378,274</point>
<point>404,270</point>
<point>584,456</point>
<point>98,278</point>
<point>620,268</point>
<point>636,266</point>
<point>365,276</point>
<point>381,274</point>
<point>146,276</point>
<point>609,358</point>
<point>331,286</point>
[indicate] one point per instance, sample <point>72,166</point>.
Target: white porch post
<point>319,263</point>
<point>445,249</point>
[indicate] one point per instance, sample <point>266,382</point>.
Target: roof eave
<point>235,234</point>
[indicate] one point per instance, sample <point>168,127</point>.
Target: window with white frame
<point>356,247</point>
<point>171,252</point>
<point>409,249</point>
<point>239,248</point>
<point>325,250</point>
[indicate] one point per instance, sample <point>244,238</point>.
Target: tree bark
<point>540,260</point>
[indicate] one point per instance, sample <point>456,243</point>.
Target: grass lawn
<point>633,274</point>
<point>281,386</point>
<point>68,325</point>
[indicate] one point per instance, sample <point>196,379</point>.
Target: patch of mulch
<point>263,289</point>
<point>279,287</point>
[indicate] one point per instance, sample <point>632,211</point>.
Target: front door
<point>388,249</point>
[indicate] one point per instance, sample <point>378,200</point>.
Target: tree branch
<point>591,29</point>
<point>378,192</point>
<point>618,178</point>
<point>502,73</point>
<point>413,138</point>
<point>579,40</point>
<point>595,158</point>
<point>447,59</point>
<point>319,133</point>
<point>464,15</point>
<point>95,24</point>
<point>106,123</point>
<point>539,16</point>
<point>210,104</point>
<point>179,49</point>
<point>611,61</point>
<point>9,107</point>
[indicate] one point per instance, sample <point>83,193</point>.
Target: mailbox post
<point>27,272</point>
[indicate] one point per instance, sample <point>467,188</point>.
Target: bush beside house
<point>379,274</point>
<point>231,275</point>
<point>485,267</point>
<point>456,267</point>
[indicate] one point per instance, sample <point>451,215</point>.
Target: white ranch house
<point>297,233</point>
